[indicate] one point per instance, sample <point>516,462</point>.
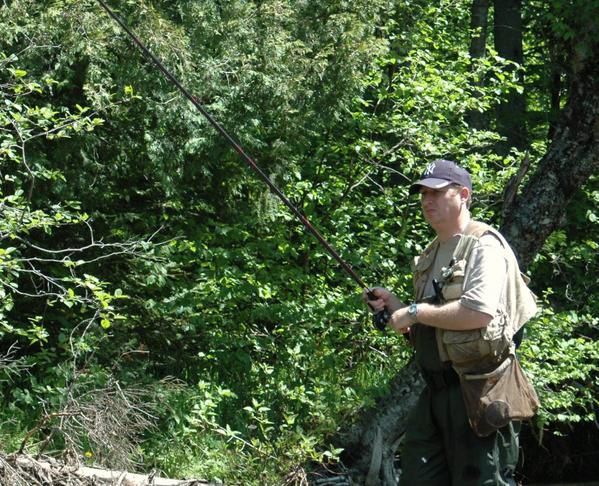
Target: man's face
<point>441,206</point>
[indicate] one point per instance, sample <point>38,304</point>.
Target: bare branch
<point>11,364</point>
<point>123,247</point>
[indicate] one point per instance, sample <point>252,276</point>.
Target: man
<point>470,302</point>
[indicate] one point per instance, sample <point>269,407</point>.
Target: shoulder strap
<point>472,234</point>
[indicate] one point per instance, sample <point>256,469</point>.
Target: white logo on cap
<point>430,168</point>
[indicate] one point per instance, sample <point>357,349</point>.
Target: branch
<point>511,188</point>
<point>124,247</point>
<point>41,423</point>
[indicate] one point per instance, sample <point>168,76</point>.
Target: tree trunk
<point>555,92</point>
<point>478,47</point>
<point>370,446</point>
<point>510,114</point>
<point>572,158</point>
<point>478,26</point>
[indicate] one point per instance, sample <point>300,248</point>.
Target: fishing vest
<point>478,350</point>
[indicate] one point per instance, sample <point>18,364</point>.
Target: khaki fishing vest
<point>477,350</point>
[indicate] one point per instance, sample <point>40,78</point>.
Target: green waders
<point>440,448</point>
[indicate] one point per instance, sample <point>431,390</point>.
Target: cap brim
<point>430,182</point>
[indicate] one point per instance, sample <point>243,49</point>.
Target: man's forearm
<point>452,316</point>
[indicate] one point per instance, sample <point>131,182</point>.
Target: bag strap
<point>470,237</point>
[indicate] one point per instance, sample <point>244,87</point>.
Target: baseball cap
<point>440,173</point>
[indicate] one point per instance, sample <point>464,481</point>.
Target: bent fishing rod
<point>379,319</point>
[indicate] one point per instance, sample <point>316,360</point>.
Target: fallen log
<point>24,469</point>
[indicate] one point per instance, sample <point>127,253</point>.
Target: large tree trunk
<point>510,114</point>
<point>573,156</point>
<point>479,14</point>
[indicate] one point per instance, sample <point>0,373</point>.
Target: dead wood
<point>26,470</point>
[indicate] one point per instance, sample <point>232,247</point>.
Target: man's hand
<point>383,300</point>
<point>400,321</point>
<point>378,303</point>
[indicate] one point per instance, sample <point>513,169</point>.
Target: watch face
<point>412,309</point>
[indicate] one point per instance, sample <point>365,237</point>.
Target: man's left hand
<point>400,321</point>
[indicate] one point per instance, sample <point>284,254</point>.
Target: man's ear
<point>464,194</point>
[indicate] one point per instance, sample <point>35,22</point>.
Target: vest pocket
<point>497,328</point>
<point>465,346</point>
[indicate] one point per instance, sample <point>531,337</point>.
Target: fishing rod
<point>379,319</point>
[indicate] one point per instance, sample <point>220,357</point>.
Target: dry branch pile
<point>25,470</point>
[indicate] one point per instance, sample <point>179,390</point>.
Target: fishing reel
<point>380,320</point>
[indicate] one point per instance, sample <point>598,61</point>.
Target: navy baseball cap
<point>440,173</point>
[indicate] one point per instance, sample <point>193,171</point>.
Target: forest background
<point>161,310</point>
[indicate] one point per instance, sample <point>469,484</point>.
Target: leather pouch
<point>494,399</point>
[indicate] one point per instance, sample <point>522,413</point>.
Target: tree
<point>573,155</point>
<point>478,48</point>
<point>510,114</point>
<point>340,102</point>
<point>508,43</point>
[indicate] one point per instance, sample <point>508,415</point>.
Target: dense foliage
<point>143,266</point>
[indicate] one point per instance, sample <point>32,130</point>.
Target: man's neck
<point>446,232</point>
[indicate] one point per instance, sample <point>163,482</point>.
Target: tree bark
<point>571,159</point>
<point>555,92</point>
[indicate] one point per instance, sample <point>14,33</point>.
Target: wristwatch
<point>413,310</point>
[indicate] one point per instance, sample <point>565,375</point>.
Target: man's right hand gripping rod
<point>381,318</point>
